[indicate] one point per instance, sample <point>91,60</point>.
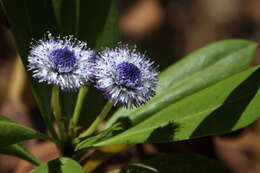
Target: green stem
<point>47,117</point>
<point>99,118</point>
<point>57,113</point>
<point>50,127</point>
<point>80,99</point>
<point>56,102</point>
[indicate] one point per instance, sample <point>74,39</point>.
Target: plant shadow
<point>164,133</point>
<point>55,166</point>
<point>217,122</point>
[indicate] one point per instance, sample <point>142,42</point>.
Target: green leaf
<point>177,163</point>
<point>224,107</point>
<point>95,22</point>
<point>195,72</point>
<point>17,149</point>
<point>66,12</point>
<point>98,23</point>
<point>4,118</point>
<point>60,165</point>
<point>20,152</point>
<point>11,132</point>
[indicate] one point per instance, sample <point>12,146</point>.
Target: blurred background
<point>166,30</point>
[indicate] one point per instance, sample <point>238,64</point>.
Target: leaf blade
<point>19,151</point>
<point>208,112</point>
<point>61,165</point>
<point>12,132</point>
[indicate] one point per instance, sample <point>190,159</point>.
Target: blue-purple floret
<point>62,61</point>
<point>126,76</point>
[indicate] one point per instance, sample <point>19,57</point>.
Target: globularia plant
<point>208,92</point>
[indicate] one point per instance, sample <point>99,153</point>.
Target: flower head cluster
<point>62,61</point>
<point>126,76</point>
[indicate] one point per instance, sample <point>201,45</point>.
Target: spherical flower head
<point>62,61</point>
<point>127,76</point>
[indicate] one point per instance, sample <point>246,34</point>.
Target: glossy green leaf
<point>67,16</point>
<point>224,107</point>
<point>4,118</point>
<point>11,132</point>
<point>98,22</point>
<point>177,163</point>
<point>19,151</point>
<point>60,165</point>
<point>95,22</point>
<point>195,72</point>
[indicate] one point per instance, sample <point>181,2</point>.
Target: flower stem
<point>57,113</point>
<point>99,118</point>
<point>80,99</point>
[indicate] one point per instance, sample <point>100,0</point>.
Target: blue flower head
<point>62,61</point>
<point>127,76</point>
